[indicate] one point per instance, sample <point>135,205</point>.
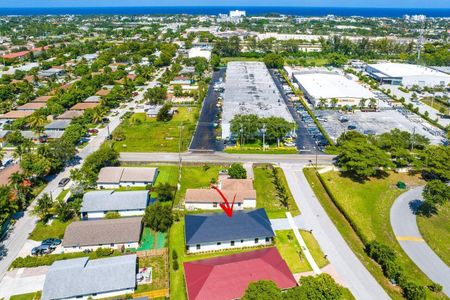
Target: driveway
<point>23,281</point>
<point>353,273</point>
<point>404,224</point>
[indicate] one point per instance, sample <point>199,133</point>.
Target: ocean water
<point>214,10</point>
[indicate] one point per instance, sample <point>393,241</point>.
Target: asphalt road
<point>404,224</point>
<point>204,138</point>
<point>220,157</point>
<point>352,272</point>
<point>26,222</point>
<point>304,141</point>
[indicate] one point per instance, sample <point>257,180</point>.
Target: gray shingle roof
<point>82,277</point>
<point>208,228</point>
<point>126,174</point>
<point>103,232</point>
<point>112,200</point>
<point>58,125</point>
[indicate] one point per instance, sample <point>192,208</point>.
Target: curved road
<point>404,224</point>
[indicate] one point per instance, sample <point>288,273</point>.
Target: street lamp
<point>263,131</point>
<point>241,131</point>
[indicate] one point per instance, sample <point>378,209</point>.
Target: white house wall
<point>210,206</point>
<point>122,213</point>
<point>104,295</point>
<point>93,248</point>
<point>227,245</point>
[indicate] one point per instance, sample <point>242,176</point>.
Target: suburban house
<point>116,177</point>
<point>211,232</point>
<point>227,277</point>
<point>97,204</point>
<point>82,278</point>
<point>210,198</point>
<point>108,233</point>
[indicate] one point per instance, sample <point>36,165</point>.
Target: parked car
<point>40,250</point>
<point>93,131</point>
<point>63,182</point>
<point>52,242</point>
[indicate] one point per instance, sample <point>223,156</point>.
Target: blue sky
<point>327,3</point>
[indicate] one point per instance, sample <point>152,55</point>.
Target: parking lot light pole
<point>241,131</point>
<point>263,131</point>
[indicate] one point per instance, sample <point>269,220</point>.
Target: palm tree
<point>17,179</point>
<point>362,103</point>
<point>334,102</point>
<point>97,116</point>
<point>37,123</point>
<point>372,103</point>
<point>322,102</point>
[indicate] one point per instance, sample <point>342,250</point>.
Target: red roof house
<point>227,277</point>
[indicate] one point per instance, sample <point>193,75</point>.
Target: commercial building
<point>212,232</point>
<point>116,177</point>
<point>82,278</point>
<point>239,189</point>
<point>227,277</point>
<point>199,52</point>
<point>97,204</point>
<point>334,88</point>
<point>108,233</point>
<point>407,75</point>
<point>250,89</point>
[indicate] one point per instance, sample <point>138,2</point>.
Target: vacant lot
<point>144,134</point>
<point>54,230</point>
<point>436,232</point>
<point>266,194</point>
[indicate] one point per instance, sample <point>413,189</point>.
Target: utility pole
<point>242,134</point>
<point>412,138</point>
<point>263,131</point>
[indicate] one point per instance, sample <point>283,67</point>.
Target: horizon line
<point>227,6</point>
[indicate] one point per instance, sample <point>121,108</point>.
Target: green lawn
<point>225,60</point>
<point>160,273</point>
<point>29,296</point>
<point>152,240</point>
<point>435,104</point>
<point>368,206</point>
<point>436,232</point>
<point>291,252</point>
<point>266,194</point>
<point>193,177</point>
<point>62,195</point>
<point>256,150</point>
<point>144,134</point>
<point>314,248</point>
<point>54,230</point>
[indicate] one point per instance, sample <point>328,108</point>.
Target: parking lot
<point>335,123</point>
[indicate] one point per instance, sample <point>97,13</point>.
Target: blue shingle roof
<point>208,228</point>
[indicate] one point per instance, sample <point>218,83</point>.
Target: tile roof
<point>212,196</point>
<point>208,228</point>
<point>42,99</point>
<point>70,114</point>
<point>84,105</point>
<point>103,92</point>
<point>6,173</point>
<point>16,114</point>
<point>83,277</point>
<point>114,201</point>
<point>102,232</point>
<point>227,277</point>
<point>32,106</point>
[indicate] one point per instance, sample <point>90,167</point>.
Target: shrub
<point>102,252</point>
<point>237,171</point>
<point>174,254</point>
<point>435,287</point>
<point>112,215</point>
<point>412,291</point>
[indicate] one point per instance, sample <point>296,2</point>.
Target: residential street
<point>220,157</point>
<point>355,276</point>
<point>404,224</point>
<point>26,223</point>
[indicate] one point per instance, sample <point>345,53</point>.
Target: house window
<point>242,241</point>
<point>215,204</point>
<point>198,246</point>
<point>219,243</point>
<point>112,245</point>
<point>232,243</point>
<point>256,241</point>
<point>239,204</point>
<point>187,247</point>
<point>267,239</point>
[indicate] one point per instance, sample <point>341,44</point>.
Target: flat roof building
<point>250,89</point>
<point>407,75</point>
<point>317,85</point>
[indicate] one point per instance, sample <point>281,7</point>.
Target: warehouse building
<point>407,75</point>
<point>249,89</point>
<point>330,88</point>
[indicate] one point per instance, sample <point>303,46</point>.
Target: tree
<point>262,290</point>
<point>237,171</point>
<point>65,210</point>
<point>158,217</point>
<point>112,215</point>
<point>37,122</point>
<point>43,207</point>
<point>413,291</point>
<point>274,61</point>
<point>337,59</point>
<point>320,287</point>
<point>435,162</point>
<point>359,157</point>
<point>164,113</point>
<point>436,193</point>
<point>165,192</point>
<point>156,95</point>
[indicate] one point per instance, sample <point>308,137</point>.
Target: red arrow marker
<point>226,207</point>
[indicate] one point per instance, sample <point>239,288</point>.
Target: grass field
<point>266,193</point>
<point>291,252</point>
<point>314,248</point>
<point>160,273</point>
<point>436,232</point>
<point>29,296</point>
<point>144,134</point>
<point>225,60</point>
<point>193,177</point>
<point>54,230</point>
<point>435,104</point>
<point>368,205</point>
<point>256,150</point>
